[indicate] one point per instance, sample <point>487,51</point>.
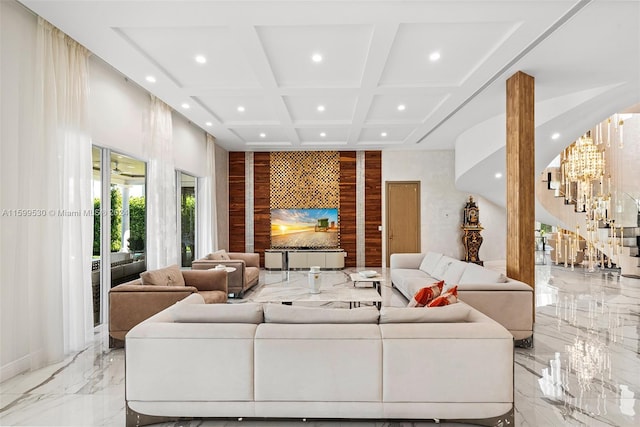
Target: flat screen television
<point>305,228</point>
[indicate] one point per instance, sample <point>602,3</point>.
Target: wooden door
<point>403,217</point>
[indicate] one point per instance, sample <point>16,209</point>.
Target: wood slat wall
<point>373,209</point>
<point>261,203</point>
<point>262,196</point>
<point>348,206</point>
<point>236,202</point>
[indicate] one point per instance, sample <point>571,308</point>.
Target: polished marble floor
<point>584,368</point>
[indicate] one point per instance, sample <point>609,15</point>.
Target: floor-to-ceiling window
<point>118,191</point>
<point>187,220</point>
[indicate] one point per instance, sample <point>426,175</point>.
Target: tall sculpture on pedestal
<point>471,228</point>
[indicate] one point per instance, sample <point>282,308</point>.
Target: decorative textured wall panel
<point>305,179</point>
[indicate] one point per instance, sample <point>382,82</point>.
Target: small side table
<point>227,269</point>
<point>376,280</point>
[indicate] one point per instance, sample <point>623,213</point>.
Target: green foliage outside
<point>137,224</point>
<point>188,225</point>
<point>116,222</point>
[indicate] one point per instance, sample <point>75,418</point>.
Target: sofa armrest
<point>206,280</point>
<point>250,259</point>
<point>133,287</point>
<point>412,260</point>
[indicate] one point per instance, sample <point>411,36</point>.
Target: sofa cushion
<point>220,255</point>
<point>442,266</point>
<point>218,313</point>
<point>277,313</point>
<point>449,314</point>
<point>426,295</point>
<point>449,297</point>
<point>477,274</point>
<point>429,262</point>
<point>168,276</point>
<point>454,272</point>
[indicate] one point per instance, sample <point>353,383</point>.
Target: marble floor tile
<point>583,370</point>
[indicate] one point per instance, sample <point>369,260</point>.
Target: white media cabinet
<point>301,259</point>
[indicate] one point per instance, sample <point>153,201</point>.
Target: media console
<point>301,259</point>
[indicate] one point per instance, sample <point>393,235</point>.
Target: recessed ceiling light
<point>401,107</point>
<point>185,106</point>
<point>555,136</point>
<point>434,56</point>
<point>200,59</point>
<point>209,124</point>
<point>240,109</point>
<point>321,108</point>
<point>498,175</point>
<point>322,134</point>
<point>263,135</point>
<point>316,57</point>
<point>383,134</point>
<point>150,79</point>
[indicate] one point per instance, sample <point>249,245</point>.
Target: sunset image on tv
<point>304,228</point>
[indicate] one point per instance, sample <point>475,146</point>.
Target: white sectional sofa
<point>507,301</point>
<point>196,360</point>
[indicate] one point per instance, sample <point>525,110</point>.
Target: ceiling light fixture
<point>150,79</point>
<point>383,134</point>
<point>401,107</point>
<point>555,136</point>
<point>185,106</point>
<point>200,59</point>
<point>498,175</point>
<point>322,134</point>
<point>263,135</point>
<point>209,124</point>
<point>434,56</point>
<point>316,57</point>
<point>240,109</point>
<point>321,108</point>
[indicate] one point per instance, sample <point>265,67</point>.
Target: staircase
<point>552,199</point>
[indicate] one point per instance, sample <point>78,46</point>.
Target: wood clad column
<point>373,208</point>
<point>347,212</point>
<point>520,178</point>
<point>261,203</point>
<point>236,202</point>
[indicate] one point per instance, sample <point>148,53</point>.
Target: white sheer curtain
<point>162,233</point>
<point>56,185</point>
<point>207,210</point>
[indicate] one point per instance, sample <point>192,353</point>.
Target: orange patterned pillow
<point>426,295</point>
<point>449,297</point>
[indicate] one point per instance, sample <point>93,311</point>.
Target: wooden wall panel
<point>236,202</point>
<point>261,203</point>
<point>373,208</point>
<point>348,206</point>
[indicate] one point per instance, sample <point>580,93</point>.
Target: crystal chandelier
<point>586,181</point>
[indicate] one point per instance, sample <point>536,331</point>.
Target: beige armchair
<point>132,302</point>
<point>247,269</point>
<point>561,257</point>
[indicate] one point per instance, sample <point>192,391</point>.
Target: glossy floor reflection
<point>584,368</point>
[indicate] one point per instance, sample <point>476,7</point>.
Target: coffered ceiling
<point>377,84</point>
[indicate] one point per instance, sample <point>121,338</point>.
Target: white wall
<point>189,146</point>
<point>222,196</point>
<point>442,204</point>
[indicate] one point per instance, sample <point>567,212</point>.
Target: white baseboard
<point>14,368</point>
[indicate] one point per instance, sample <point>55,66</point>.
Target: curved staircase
<point>551,198</point>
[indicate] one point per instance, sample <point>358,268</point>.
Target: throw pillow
<point>220,255</point>
<point>449,297</point>
<point>168,276</point>
<point>429,262</point>
<point>425,295</point>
